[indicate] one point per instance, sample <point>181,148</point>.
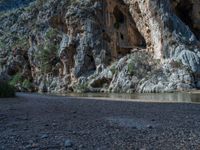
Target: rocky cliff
<point>12,4</point>
<point>102,46</point>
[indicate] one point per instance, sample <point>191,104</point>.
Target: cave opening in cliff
<point>121,29</point>
<point>127,35</point>
<point>184,10</point>
<point>89,59</point>
<point>119,16</point>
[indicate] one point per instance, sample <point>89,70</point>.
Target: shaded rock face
<point>12,4</point>
<point>104,46</point>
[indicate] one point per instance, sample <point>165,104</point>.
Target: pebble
<point>156,138</point>
<point>54,124</point>
<point>68,143</point>
<point>150,126</point>
<point>44,136</point>
<point>74,112</point>
<point>134,127</point>
<point>81,146</point>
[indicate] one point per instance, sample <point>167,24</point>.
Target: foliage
<point>6,90</point>
<point>81,88</point>
<point>74,2</point>
<point>113,69</point>
<point>40,3</point>
<point>26,84</point>
<point>21,42</point>
<point>19,81</point>
<point>131,68</point>
<point>16,79</point>
<point>46,56</point>
<point>2,45</point>
<point>51,33</point>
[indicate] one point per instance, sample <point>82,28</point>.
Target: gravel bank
<point>39,122</point>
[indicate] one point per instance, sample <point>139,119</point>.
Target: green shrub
<point>21,42</point>
<point>46,56</point>
<point>131,68</point>
<point>81,88</point>
<point>27,84</point>
<point>16,79</point>
<point>51,33</point>
<point>6,90</point>
<point>40,3</point>
<point>19,82</point>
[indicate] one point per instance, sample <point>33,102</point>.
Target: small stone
<point>156,138</point>
<point>28,146</point>
<point>54,124</point>
<point>81,146</point>
<point>34,145</point>
<point>134,127</point>
<point>25,129</point>
<point>150,126</point>
<point>74,112</point>
<point>68,143</point>
<point>44,136</point>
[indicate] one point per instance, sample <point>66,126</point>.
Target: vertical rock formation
<point>110,45</point>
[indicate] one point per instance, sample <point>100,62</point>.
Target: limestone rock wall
<point>103,45</point>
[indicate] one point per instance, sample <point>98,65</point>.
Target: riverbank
<point>32,121</point>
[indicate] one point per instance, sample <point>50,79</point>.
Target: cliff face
<point>12,4</point>
<point>103,45</point>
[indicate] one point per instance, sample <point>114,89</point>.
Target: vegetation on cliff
<point>6,90</point>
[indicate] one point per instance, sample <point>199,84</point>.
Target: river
<point>178,97</point>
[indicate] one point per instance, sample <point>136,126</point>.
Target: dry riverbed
<point>38,122</point>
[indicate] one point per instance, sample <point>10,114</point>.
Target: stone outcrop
<point>104,45</point>
<point>12,4</point>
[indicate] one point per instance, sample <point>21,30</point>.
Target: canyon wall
<point>61,46</point>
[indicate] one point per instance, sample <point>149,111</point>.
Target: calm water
<point>160,97</point>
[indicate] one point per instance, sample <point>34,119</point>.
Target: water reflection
<point>161,97</point>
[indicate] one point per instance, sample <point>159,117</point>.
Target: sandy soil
<point>38,122</point>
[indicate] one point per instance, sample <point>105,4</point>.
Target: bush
<point>20,83</point>
<point>81,88</point>
<point>46,57</point>
<point>21,42</point>
<point>6,90</point>
<point>27,85</point>
<point>131,68</point>
<point>16,79</point>
<point>51,34</point>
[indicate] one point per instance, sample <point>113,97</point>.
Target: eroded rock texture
<point>103,45</point>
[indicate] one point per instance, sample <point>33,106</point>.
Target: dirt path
<point>38,122</point>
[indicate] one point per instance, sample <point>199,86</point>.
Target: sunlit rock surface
<point>103,46</point>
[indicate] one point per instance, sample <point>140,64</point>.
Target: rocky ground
<point>33,121</point>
